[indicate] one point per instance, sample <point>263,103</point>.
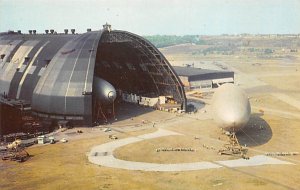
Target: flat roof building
<point>197,78</point>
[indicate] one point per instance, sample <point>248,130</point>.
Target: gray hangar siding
<point>55,72</point>
<point>24,58</point>
<point>69,76</point>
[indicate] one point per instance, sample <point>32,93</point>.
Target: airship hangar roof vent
<point>107,27</point>
<point>10,32</point>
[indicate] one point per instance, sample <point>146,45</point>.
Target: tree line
<point>161,41</point>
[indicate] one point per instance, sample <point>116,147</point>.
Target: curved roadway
<point>103,155</point>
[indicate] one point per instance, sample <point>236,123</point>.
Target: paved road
<point>103,155</point>
<point>281,113</point>
<point>287,99</point>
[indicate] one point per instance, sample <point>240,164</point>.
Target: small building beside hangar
<point>197,78</point>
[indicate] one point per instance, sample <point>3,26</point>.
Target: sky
<point>150,17</point>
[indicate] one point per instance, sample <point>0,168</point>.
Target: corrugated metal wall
<point>55,72</point>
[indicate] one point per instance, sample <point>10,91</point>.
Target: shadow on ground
<point>126,111</point>
<point>198,104</point>
<point>256,132</point>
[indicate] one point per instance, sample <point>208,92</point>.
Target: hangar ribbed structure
<point>55,72</point>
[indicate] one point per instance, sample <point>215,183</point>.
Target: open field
<point>273,87</point>
<point>65,166</point>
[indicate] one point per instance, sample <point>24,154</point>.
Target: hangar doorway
<point>135,68</point>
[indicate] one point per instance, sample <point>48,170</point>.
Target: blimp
<point>231,108</point>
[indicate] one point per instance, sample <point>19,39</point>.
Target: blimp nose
<point>231,107</point>
<point>236,122</point>
<point>237,118</point>
<point>104,91</point>
<point>112,95</point>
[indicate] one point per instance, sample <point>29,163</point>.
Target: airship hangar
<point>53,74</point>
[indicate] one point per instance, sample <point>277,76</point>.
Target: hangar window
<point>47,61</point>
<point>117,65</point>
<point>105,64</point>
<point>27,60</point>
<point>143,67</point>
<point>130,66</point>
<point>56,117</point>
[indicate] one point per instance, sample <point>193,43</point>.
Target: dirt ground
<point>275,129</point>
<point>65,165</point>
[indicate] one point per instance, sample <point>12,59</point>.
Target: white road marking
<point>281,113</point>
<point>253,161</point>
<point>287,99</point>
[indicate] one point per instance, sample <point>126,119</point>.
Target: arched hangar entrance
<point>134,66</point>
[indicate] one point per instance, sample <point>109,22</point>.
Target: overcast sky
<point>146,17</point>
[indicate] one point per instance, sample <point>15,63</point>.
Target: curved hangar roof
<point>55,71</point>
